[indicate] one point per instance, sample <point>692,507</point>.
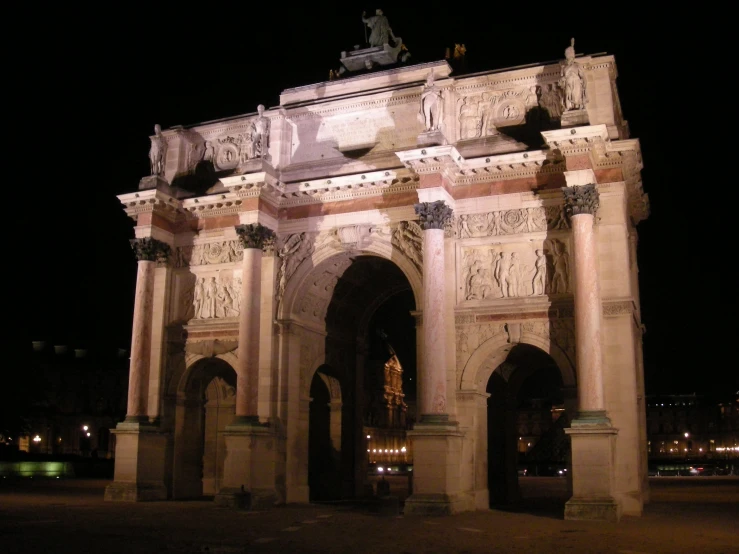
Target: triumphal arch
<point>506,202</point>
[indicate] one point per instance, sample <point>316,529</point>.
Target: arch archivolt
<point>482,348</point>
<point>182,384</point>
<point>308,292</point>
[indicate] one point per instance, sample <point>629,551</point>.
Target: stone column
<point>592,436</point>
<point>249,469</point>
<point>433,217</point>
<point>581,203</point>
<point>148,251</point>
<point>436,441</point>
<point>140,450</point>
<point>253,238</point>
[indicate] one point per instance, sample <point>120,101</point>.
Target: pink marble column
<point>253,237</point>
<point>147,251</point>
<point>247,381</point>
<point>582,203</point>
<point>433,216</point>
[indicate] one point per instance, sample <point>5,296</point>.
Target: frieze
<point>512,222</point>
<point>223,252</point>
<point>618,308</point>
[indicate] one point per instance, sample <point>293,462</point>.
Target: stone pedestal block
<point>437,450</point>
<point>593,473</point>
<point>249,472</point>
<point>431,138</point>
<point>140,464</point>
<point>575,118</point>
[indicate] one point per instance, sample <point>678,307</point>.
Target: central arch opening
<point>363,395</point>
<point>526,422</point>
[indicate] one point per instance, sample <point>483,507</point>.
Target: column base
<point>135,492</point>
<point>437,452</point>
<point>240,499</point>
<point>140,456</point>
<point>591,419</point>
<point>592,509</point>
<point>250,468</point>
<point>434,505</point>
<point>593,470</point>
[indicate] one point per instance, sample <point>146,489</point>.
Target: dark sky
<point>92,99</point>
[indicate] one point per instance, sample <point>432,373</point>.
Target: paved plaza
<point>692,514</point>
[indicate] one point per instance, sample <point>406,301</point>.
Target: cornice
<point>151,201</point>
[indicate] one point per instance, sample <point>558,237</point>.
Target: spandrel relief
<point>408,238</point>
<point>291,251</point>
<point>470,337</point>
<point>216,297</point>
<point>497,271</point>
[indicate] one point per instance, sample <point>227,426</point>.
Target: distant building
<point>79,395</point>
<point>691,426</point>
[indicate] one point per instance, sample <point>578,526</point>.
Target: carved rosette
<point>581,200</point>
<point>150,250</point>
<point>433,215</point>
<point>256,235</point>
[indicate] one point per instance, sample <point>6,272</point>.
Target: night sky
<point>93,97</point>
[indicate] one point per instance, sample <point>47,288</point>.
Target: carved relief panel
<point>212,295</point>
<point>495,271</point>
<point>481,114</point>
<point>211,253</point>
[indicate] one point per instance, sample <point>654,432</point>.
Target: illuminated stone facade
<point>473,220</point>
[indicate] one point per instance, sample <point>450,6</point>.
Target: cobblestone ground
<point>699,515</point>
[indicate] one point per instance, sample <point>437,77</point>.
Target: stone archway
<point>326,307</point>
<point>324,436</point>
<point>481,350</point>
<point>204,406</point>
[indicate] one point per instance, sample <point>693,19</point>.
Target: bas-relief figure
<point>431,112</point>
<point>213,298</point>
<point>158,151</point>
<point>408,238</point>
<point>380,28</point>
<point>572,81</point>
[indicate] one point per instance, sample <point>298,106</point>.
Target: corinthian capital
<point>150,250</point>
<point>581,200</point>
<point>433,215</point>
<point>255,235</point>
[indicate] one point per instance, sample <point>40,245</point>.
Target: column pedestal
<point>250,468</point>
<point>593,461</point>
<point>436,471</point>
<point>140,468</point>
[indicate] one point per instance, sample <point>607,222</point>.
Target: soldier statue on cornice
<point>572,81</point>
<point>158,151</point>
